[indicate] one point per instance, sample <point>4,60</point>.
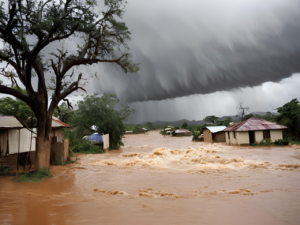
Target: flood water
<point>163,180</point>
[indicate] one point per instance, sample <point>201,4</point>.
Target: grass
<point>33,176</point>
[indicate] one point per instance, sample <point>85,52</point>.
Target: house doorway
<point>251,137</point>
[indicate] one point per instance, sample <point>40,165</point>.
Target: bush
<point>84,146</point>
<point>195,134</point>
<point>138,130</point>
<point>280,142</point>
<point>266,142</point>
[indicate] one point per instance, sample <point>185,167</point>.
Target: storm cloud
<point>201,47</point>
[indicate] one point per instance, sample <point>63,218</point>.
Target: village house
<point>253,131</point>
<point>182,132</point>
<point>214,133</point>
<point>15,142</point>
<point>18,144</point>
<point>57,128</point>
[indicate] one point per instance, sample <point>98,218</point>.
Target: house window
<point>59,139</point>
<point>266,134</point>
<point>234,134</point>
<point>228,135</point>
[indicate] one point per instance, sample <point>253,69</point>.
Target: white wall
<point>233,141</point>
<point>275,135</point>
<point>243,137</point>
<point>258,135</point>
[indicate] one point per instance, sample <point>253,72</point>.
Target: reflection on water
<point>162,180</point>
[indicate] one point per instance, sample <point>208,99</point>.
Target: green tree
<point>184,125</point>
<point>289,115</point>
<point>227,121</point>
<point>106,114</point>
<point>269,116</point>
<point>16,108</point>
<point>248,116</point>
<point>64,113</point>
<point>31,29</point>
<point>150,126</point>
<point>211,119</point>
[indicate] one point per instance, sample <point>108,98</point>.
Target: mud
<point>162,180</point>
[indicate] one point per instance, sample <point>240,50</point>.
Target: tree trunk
<point>43,143</point>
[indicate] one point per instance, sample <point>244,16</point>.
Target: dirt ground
<point>163,180</point>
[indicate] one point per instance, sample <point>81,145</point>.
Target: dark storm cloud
<point>201,47</point>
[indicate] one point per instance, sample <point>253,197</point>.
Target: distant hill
<point>199,122</point>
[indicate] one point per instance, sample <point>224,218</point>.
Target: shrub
<point>84,146</point>
<point>195,134</point>
<point>138,130</point>
<point>280,142</point>
<point>266,141</point>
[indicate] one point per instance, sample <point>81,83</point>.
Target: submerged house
<point>215,133</point>
<point>182,132</point>
<point>253,131</point>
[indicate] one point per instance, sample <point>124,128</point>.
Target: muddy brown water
<point>162,180</point>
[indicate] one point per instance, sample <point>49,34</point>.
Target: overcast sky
<point>202,57</point>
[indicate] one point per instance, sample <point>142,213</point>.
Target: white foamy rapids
<point>194,160</point>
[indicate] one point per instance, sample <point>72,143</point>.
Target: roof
<point>254,124</point>
<point>9,122</point>
<point>216,129</point>
<point>144,128</point>
<point>181,131</point>
<point>58,123</point>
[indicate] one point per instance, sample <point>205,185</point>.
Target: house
<point>15,142</point>
<point>215,133</point>
<point>253,131</point>
<point>57,128</point>
<point>182,132</point>
<point>59,145</point>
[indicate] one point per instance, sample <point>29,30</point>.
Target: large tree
<point>31,30</point>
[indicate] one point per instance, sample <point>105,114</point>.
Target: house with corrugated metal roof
<point>15,141</point>
<point>252,131</point>
<point>18,144</point>
<point>214,133</point>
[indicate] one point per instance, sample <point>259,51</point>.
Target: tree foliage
<point>184,125</point>
<point>227,121</point>
<point>211,119</point>
<point>15,107</point>
<point>290,117</point>
<point>64,113</point>
<point>105,114</point>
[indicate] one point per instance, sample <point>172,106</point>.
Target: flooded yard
<point>163,180</point>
